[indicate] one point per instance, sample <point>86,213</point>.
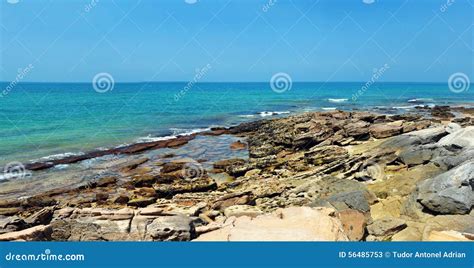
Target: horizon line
<point>204,82</point>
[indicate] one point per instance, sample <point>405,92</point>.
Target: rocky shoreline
<point>330,176</point>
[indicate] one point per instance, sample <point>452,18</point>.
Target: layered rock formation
<point>315,176</point>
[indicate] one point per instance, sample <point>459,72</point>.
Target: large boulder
<point>289,224</point>
<point>451,192</point>
<point>463,138</point>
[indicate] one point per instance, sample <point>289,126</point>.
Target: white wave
<point>247,115</point>
<point>337,100</point>
<point>176,132</point>
<point>265,113</point>
<point>420,100</point>
<point>62,166</point>
<point>329,108</point>
<point>59,156</point>
<point>405,107</point>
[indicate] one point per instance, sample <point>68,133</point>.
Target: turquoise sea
<point>46,119</point>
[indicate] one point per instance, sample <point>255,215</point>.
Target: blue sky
<point>243,40</point>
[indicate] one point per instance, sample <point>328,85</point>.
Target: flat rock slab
<point>289,224</point>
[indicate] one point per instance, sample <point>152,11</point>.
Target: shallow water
<point>203,149</point>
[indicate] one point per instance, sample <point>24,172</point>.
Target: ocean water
<point>46,119</point>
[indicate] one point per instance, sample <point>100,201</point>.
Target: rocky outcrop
<point>451,192</point>
<point>151,224</point>
<point>463,138</point>
<point>333,176</point>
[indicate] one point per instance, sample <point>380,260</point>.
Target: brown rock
<point>40,201</point>
<point>381,131</point>
<point>238,145</point>
<point>101,196</point>
<point>121,199</point>
<point>42,216</point>
<point>354,223</point>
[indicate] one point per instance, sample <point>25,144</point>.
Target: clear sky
<point>242,40</point>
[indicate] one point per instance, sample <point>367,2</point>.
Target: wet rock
<point>202,184</point>
<point>238,145</point>
<point>451,192</point>
<point>224,164</point>
<point>133,164</point>
<point>441,112</point>
<point>146,180</point>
